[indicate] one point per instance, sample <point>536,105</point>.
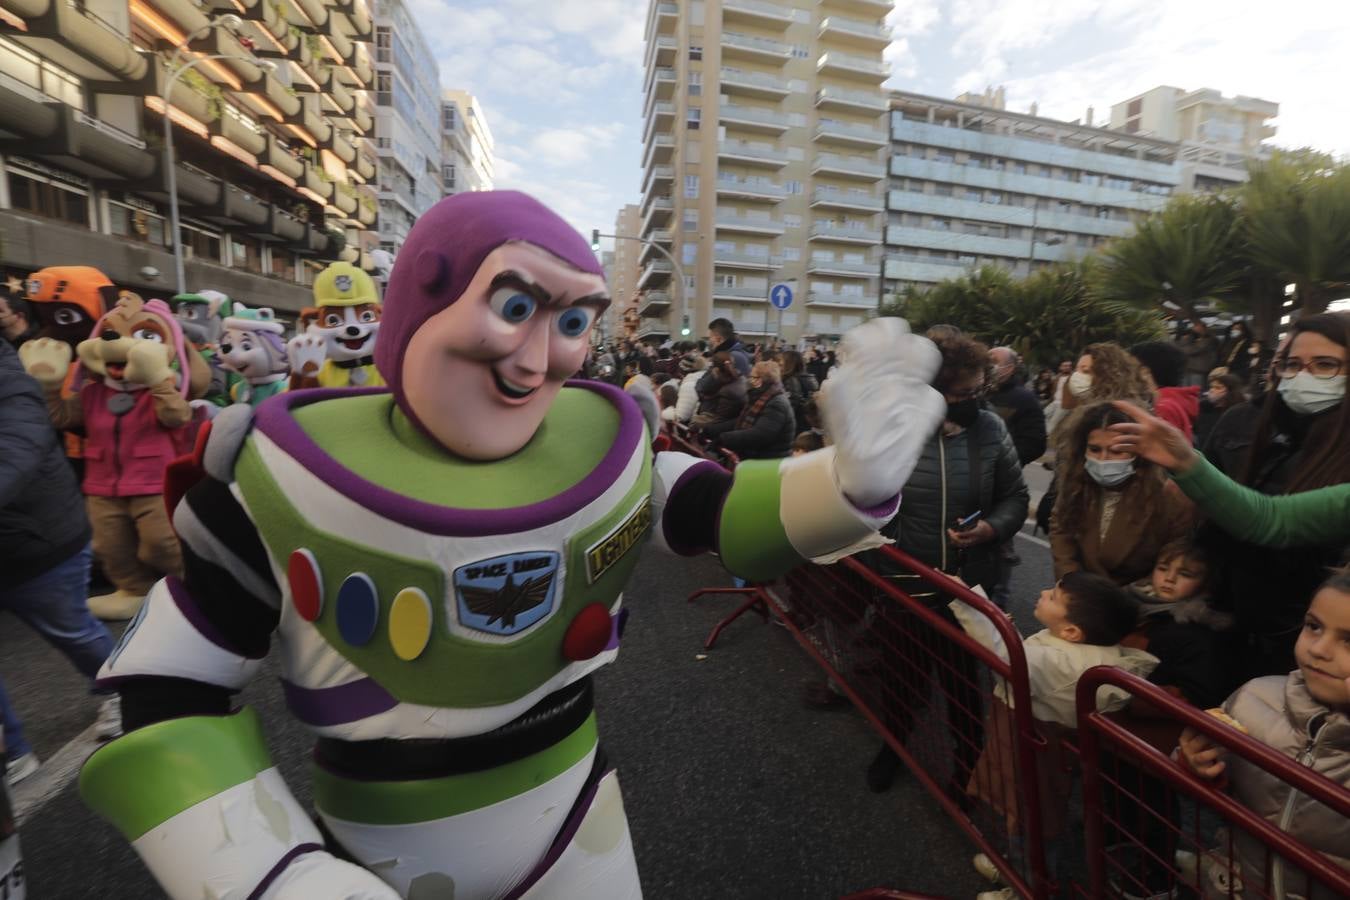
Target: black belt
<point>354,363</point>
<point>543,725</point>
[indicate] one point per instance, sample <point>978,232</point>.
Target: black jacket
<point>42,518</point>
<point>1019,409</point>
<point>800,388</point>
<point>767,436</point>
<point>938,492</point>
<point>723,402</point>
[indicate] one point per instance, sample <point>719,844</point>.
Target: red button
<point>302,570</point>
<point>588,634</point>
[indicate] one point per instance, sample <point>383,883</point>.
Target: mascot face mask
<point>483,373</point>
<point>489,310</point>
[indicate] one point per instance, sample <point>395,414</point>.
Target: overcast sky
<point>561,80</point>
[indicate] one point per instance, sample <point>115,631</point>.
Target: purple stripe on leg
<point>188,607</point>
<point>339,705</point>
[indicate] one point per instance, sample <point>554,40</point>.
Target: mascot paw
<point>148,364</point>
<point>47,360</point>
<point>307,353</point>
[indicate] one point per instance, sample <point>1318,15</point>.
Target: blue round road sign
<point>780,296</point>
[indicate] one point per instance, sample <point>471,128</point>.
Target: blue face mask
<point>1109,472</point>
<point>1308,395</point>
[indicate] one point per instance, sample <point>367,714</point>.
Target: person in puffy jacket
<point>1305,716</point>
<point>690,369</point>
<point>799,384</point>
<point>968,466</point>
<point>766,426</point>
<point>721,391</point>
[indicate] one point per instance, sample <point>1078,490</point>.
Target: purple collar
<point>274,419</point>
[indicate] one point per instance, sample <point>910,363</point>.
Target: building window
<point>792,187</point>
<point>48,197</point>
<point>136,221</point>
<point>791,254</point>
<point>690,219</point>
<point>695,52</point>
<point>1135,107</point>
<point>246,254</point>
<point>691,187</point>
<point>792,221</point>
<point>382,36</point>
<point>198,242</point>
<point>383,89</point>
<point>800,52</point>
<point>688,254</point>
<point>693,115</point>
<point>281,265</point>
<point>449,117</point>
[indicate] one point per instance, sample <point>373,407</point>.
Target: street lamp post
<point>679,272</point>
<point>1031,245</point>
<point>229,20</point>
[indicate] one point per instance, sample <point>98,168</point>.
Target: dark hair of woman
<point>1076,486</point>
<point>1324,460</point>
<point>791,362</point>
<point>962,357</point>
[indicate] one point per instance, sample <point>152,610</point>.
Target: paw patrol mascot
<point>202,317</point>
<point>133,409</point>
<point>339,349</point>
<point>253,349</point>
<point>442,562</point>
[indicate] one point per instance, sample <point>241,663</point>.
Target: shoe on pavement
<point>117,606</point>
<point>882,770</point>
<point>1001,894</point>
<point>21,767</point>
<point>108,725</point>
<point>985,866</point>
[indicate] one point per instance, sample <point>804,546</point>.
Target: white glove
<point>307,352</point>
<point>47,360</point>
<point>320,874</point>
<point>148,364</point>
<point>879,408</point>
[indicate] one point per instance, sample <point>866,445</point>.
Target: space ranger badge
<point>505,595</point>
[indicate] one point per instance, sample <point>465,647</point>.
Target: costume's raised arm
<point>770,515</point>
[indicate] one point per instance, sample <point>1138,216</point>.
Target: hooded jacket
<point>1279,711</point>
<point>1178,406</point>
<point>42,518</point>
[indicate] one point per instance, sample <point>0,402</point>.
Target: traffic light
<point>684,327</point>
<point>595,239</point>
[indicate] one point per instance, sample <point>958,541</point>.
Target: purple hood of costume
<point>442,254</point>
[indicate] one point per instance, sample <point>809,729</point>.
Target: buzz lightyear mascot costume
<point>443,563</point>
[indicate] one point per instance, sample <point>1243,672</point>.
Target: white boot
<point>109,722</point>
<point>117,606</point>
<point>21,767</point>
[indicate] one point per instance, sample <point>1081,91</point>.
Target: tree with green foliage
<point>1188,254</point>
<point>1051,315</point>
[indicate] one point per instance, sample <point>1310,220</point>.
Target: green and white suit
<point>438,619</point>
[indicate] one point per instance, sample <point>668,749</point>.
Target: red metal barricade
<point>935,695</point>
<point>1154,829</point>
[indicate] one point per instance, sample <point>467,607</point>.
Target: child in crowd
<point>1306,716</point>
<point>1086,617</point>
<point>806,442</point>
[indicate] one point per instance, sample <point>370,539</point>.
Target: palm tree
<point>1186,254</point>
<point>1297,224</point>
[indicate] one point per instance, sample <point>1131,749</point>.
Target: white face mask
<point>1079,384</point>
<point>1308,396</point>
<point>1109,472</point>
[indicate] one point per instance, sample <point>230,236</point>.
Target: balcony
<point>757,13</point>
<point>852,101</point>
<point>653,303</point>
<point>78,40</point>
<point>728,259</point>
<point>843,234</point>
<point>281,159</point>
<point>852,134</point>
<point>658,175</point>
<point>834,198</point>
<point>653,329</point>
<point>753,118</point>
<point>747,189</point>
<point>662,50</point>
<point>661,83</point>
<point>842,269</point>
<point>840,301</point>
<point>743,294</point>
<point>858,68</point>
<point>748,224</point>
<point>877,8</point>
<point>860,168</point>
<point>317,182</point>
<point>660,149</point>
<point>657,272</point>
<point>749,154</point>
<point>855,33</point>
<point>664,16</point>
<point>660,112</point>
<point>754,49</point>
<point>753,84</point>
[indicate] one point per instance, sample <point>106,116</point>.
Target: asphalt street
<point>734,789</point>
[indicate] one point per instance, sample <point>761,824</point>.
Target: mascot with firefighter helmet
<point>443,563</point>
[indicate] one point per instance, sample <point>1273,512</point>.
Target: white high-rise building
<point>466,144</point>
<point>407,119</point>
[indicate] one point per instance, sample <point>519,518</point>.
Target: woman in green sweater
<point>1319,517</point>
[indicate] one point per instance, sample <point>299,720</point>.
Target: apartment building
<point>271,170</point>
<point>764,162</point>
<point>466,144</point>
<point>407,117</point>
<point>622,314</point>
<point>1218,135</point>
<point>972,183</point>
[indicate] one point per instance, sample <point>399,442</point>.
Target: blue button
<point>358,609</point>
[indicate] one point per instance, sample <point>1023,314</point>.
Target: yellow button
<point>410,623</point>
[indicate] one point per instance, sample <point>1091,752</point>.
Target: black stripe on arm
<point>692,511</point>
<point>150,699</point>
